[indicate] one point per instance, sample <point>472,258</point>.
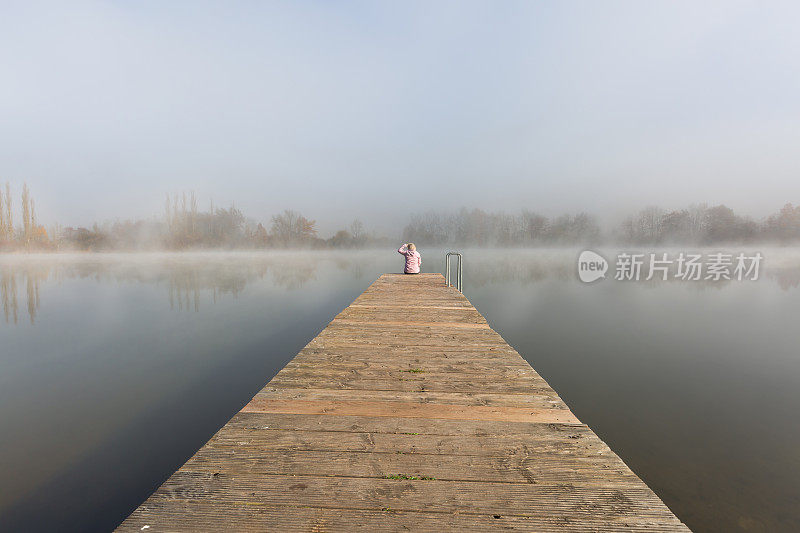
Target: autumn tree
<point>533,226</point>
<point>26,214</point>
<point>290,228</point>
<point>723,225</point>
<point>9,214</point>
<point>259,236</point>
<point>341,239</point>
<point>784,225</point>
<point>227,225</point>
<point>3,231</point>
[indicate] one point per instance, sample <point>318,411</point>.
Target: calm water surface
<point>115,369</point>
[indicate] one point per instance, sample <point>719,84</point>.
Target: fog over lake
<point>116,368</point>
<point>191,191</point>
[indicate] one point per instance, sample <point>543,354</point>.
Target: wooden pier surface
<point>407,413</point>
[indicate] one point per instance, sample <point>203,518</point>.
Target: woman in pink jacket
<point>413,259</point>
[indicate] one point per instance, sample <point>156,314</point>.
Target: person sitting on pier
<point>413,259</point>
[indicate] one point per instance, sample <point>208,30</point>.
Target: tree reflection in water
<point>187,277</point>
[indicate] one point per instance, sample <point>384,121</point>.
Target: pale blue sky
<point>378,109</point>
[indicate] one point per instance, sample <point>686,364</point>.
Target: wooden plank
<point>385,323</point>
<point>222,491</point>
<point>406,383</point>
<point>408,442</point>
<point>407,413</point>
<point>405,426</point>
<point>183,515</point>
<point>411,410</point>
<point>539,399</point>
<point>238,460</point>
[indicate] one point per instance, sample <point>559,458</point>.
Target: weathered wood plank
<point>500,446</point>
<point>405,383</point>
<point>239,459</point>
<point>411,410</point>
<point>422,426</point>
<point>184,515</point>
<point>407,413</point>
<point>516,499</point>
<point>538,399</point>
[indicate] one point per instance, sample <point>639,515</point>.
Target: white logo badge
<point>591,266</point>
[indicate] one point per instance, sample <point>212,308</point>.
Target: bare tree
<point>168,215</point>
<point>3,231</point>
<point>357,230</point>
<point>26,214</point>
<point>9,214</point>
<point>193,207</point>
<point>34,226</point>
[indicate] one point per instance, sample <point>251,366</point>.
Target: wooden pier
<point>407,413</point>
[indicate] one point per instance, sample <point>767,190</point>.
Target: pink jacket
<point>413,260</point>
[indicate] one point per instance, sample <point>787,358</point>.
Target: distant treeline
<point>701,224</point>
<point>697,224</point>
<point>184,226</point>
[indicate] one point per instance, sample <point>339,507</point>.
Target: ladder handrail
<point>459,271</point>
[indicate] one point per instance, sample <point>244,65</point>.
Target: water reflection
<point>674,375</point>
<point>188,277</point>
<point>8,285</point>
<point>11,279</point>
<point>134,360</point>
<point>786,277</point>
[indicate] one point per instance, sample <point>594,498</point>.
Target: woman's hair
<point>411,246</point>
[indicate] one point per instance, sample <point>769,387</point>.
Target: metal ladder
<point>459,271</point>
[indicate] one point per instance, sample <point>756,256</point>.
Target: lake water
<point>115,369</point>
